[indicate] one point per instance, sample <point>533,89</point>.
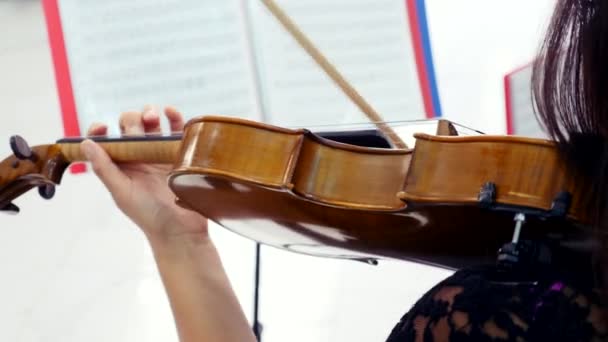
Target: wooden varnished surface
<point>247,152</point>
<point>295,190</point>
<point>154,152</point>
<point>317,197</point>
<point>527,172</point>
<point>340,176</point>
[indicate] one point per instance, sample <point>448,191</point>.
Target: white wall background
<point>74,269</point>
<point>475,43</point>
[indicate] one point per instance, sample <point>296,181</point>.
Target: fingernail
<point>150,113</point>
<point>87,149</point>
<point>149,116</point>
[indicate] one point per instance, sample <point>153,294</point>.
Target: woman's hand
<point>204,305</point>
<point>141,190</point>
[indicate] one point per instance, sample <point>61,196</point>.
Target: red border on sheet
<point>71,127</point>
<point>509,97</point>
<point>508,104</point>
<point>423,78</point>
<point>66,93</point>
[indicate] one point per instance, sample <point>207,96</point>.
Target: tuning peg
<point>10,208</point>
<point>21,149</point>
<point>46,191</point>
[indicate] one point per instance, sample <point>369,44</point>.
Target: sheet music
<point>192,54</point>
<point>522,111</point>
<point>368,41</point>
<point>197,56</point>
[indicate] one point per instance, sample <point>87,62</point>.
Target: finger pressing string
<point>97,129</point>
<point>151,120</point>
<point>131,123</point>
<point>176,119</point>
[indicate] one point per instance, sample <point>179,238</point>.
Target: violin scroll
<point>21,149</point>
<point>46,191</point>
<point>10,208</point>
<point>39,166</point>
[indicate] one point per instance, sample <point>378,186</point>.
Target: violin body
<point>449,201</point>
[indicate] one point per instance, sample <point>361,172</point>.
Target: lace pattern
<point>469,307</point>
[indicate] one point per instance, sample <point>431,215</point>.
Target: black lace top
<point>469,307</point>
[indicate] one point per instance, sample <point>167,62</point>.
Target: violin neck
<point>148,149</point>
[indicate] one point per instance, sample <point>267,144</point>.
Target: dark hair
<point>570,93</point>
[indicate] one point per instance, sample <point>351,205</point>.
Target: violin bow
<point>333,73</point>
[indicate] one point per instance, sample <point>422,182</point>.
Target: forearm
<point>204,305</point>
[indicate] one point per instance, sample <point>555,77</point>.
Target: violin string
<point>151,135</point>
<point>464,131</point>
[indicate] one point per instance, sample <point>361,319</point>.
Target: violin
<point>449,200</point>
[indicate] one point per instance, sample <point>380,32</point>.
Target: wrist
<point>185,245</point>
